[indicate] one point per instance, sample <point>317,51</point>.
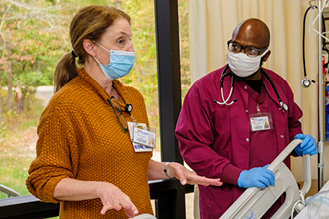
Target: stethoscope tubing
<point>225,101</point>
<point>283,105</point>
<point>221,88</point>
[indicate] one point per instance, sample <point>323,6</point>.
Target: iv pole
<point>320,103</point>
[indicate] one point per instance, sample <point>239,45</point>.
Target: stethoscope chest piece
<point>305,82</point>
<point>284,106</point>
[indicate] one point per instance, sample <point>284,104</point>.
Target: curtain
<point>211,23</point>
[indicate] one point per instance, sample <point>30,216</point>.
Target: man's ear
<point>89,47</point>
<point>265,57</point>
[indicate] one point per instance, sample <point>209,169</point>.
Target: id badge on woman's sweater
<point>138,147</point>
<point>260,122</point>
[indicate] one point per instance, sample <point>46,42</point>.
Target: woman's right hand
<point>113,198</point>
<point>110,195</point>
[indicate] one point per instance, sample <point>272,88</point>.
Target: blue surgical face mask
<point>121,62</point>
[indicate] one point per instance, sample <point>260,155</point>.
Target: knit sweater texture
<point>81,138</point>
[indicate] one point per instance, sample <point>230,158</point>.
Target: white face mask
<point>243,65</point>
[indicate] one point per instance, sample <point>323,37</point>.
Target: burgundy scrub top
<point>216,140</point>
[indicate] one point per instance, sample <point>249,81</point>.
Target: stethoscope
<point>224,74</point>
<point>225,101</point>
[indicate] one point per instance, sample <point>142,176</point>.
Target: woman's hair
<point>89,23</point>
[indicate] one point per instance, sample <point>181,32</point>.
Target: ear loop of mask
<point>98,55</point>
<point>101,46</point>
<point>97,59</point>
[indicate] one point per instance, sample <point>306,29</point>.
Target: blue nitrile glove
<point>256,177</point>
<point>308,145</point>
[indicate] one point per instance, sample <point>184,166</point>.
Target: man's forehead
<point>251,32</point>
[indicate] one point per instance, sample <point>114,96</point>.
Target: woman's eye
<point>121,41</point>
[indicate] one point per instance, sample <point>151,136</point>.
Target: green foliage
<point>27,33</point>
<point>17,149</point>
<point>33,37</point>
<point>144,74</point>
<point>184,45</point>
<point>3,129</point>
<point>15,172</point>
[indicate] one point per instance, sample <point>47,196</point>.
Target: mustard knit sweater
<point>81,138</point>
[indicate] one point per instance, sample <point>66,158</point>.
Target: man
<point>221,129</point>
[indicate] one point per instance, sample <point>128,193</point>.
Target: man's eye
<point>252,50</point>
<point>235,47</point>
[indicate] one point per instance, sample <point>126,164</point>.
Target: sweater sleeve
<point>53,159</point>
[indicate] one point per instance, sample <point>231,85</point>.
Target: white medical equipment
<point>317,208</point>
<point>144,216</point>
<point>255,202</point>
<point>321,106</point>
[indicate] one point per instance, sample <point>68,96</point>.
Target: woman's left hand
<point>184,175</point>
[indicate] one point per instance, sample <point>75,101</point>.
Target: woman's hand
<point>113,198</point>
<point>184,175</point>
<point>110,195</point>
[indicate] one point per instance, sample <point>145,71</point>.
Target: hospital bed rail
<point>255,202</point>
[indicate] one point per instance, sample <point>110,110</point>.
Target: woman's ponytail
<point>66,70</point>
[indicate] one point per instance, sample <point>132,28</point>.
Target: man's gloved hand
<point>256,177</point>
<point>308,145</point>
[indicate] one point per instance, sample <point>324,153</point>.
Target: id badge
<point>260,122</point>
<point>137,147</point>
<point>144,136</point>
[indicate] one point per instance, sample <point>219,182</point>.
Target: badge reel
<point>142,137</point>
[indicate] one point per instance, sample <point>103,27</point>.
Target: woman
<point>85,156</point>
